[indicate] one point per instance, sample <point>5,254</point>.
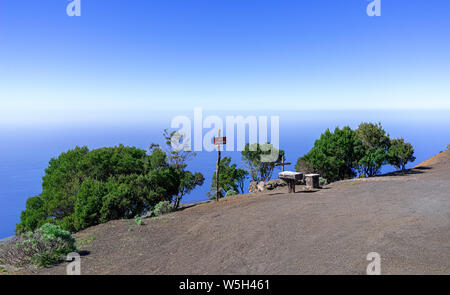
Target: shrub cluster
<point>42,248</point>
<point>82,188</point>
<point>345,153</point>
<point>322,181</point>
<point>161,208</point>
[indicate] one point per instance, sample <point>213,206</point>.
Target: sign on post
<point>218,141</point>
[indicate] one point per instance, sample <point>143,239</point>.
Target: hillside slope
<point>406,219</point>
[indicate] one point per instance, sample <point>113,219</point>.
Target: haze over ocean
<point>26,150</point>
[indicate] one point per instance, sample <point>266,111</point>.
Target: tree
<point>375,143</point>
<point>82,188</point>
<point>178,156</point>
<point>260,160</point>
<point>33,216</point>
<point>335,155</point>
<point>400,153</point>
<point>241,176</point>
<point>304,165</point>
<point>188,181</point>
<point>231,178</point>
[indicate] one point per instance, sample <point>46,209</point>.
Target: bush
<point>162,208</point>
<point>139,221</point>
<point>322,181</point>
<point>335,155</point>
<point>304,165</point>
<point>448,147</point>
<point>42,248</point>
<point>230,193</point>
<point>343,153</point>
<point>82,188</point>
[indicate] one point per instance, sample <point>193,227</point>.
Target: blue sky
<point>127,59</point>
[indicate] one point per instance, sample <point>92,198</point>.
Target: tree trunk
<point>177,202</point>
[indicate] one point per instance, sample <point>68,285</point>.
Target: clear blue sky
<point>135,57</point>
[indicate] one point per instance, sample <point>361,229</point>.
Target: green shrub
<point>335,155</point>
<point>82,188</point>
<point>139,221</point>
<point>322,181</point>
<point>304,165</point>
<point>345,152</point>
<point>448,147</point>
<point>42,248</point>
<point>162,208</point>
<point>230,193</point>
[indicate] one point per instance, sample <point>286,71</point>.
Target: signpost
<point>218,141</point>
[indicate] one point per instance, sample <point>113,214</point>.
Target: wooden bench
<point>291,178</point>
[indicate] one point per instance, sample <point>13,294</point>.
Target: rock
<point>262,186</point>
<point>274,183</point>
<point>253,187</point>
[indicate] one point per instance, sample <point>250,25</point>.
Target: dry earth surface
<point>405,218</point>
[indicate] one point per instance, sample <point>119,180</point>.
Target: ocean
<point>25,150</point>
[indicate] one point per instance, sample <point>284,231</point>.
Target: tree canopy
<point>83,188</point>
<point>375,142</point>
<point>177,157</point>
<point>345,152</point>
<point>400,153</point>
<point>335,155</point>
<point>231,178</point>
<point>261,160</point>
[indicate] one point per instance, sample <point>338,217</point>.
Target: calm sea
<point>26,150</point>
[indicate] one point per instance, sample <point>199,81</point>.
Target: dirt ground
<point>406,219</point>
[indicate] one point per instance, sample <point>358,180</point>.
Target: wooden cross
<point>283,163</point>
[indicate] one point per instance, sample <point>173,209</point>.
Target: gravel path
<point>406,219</point>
